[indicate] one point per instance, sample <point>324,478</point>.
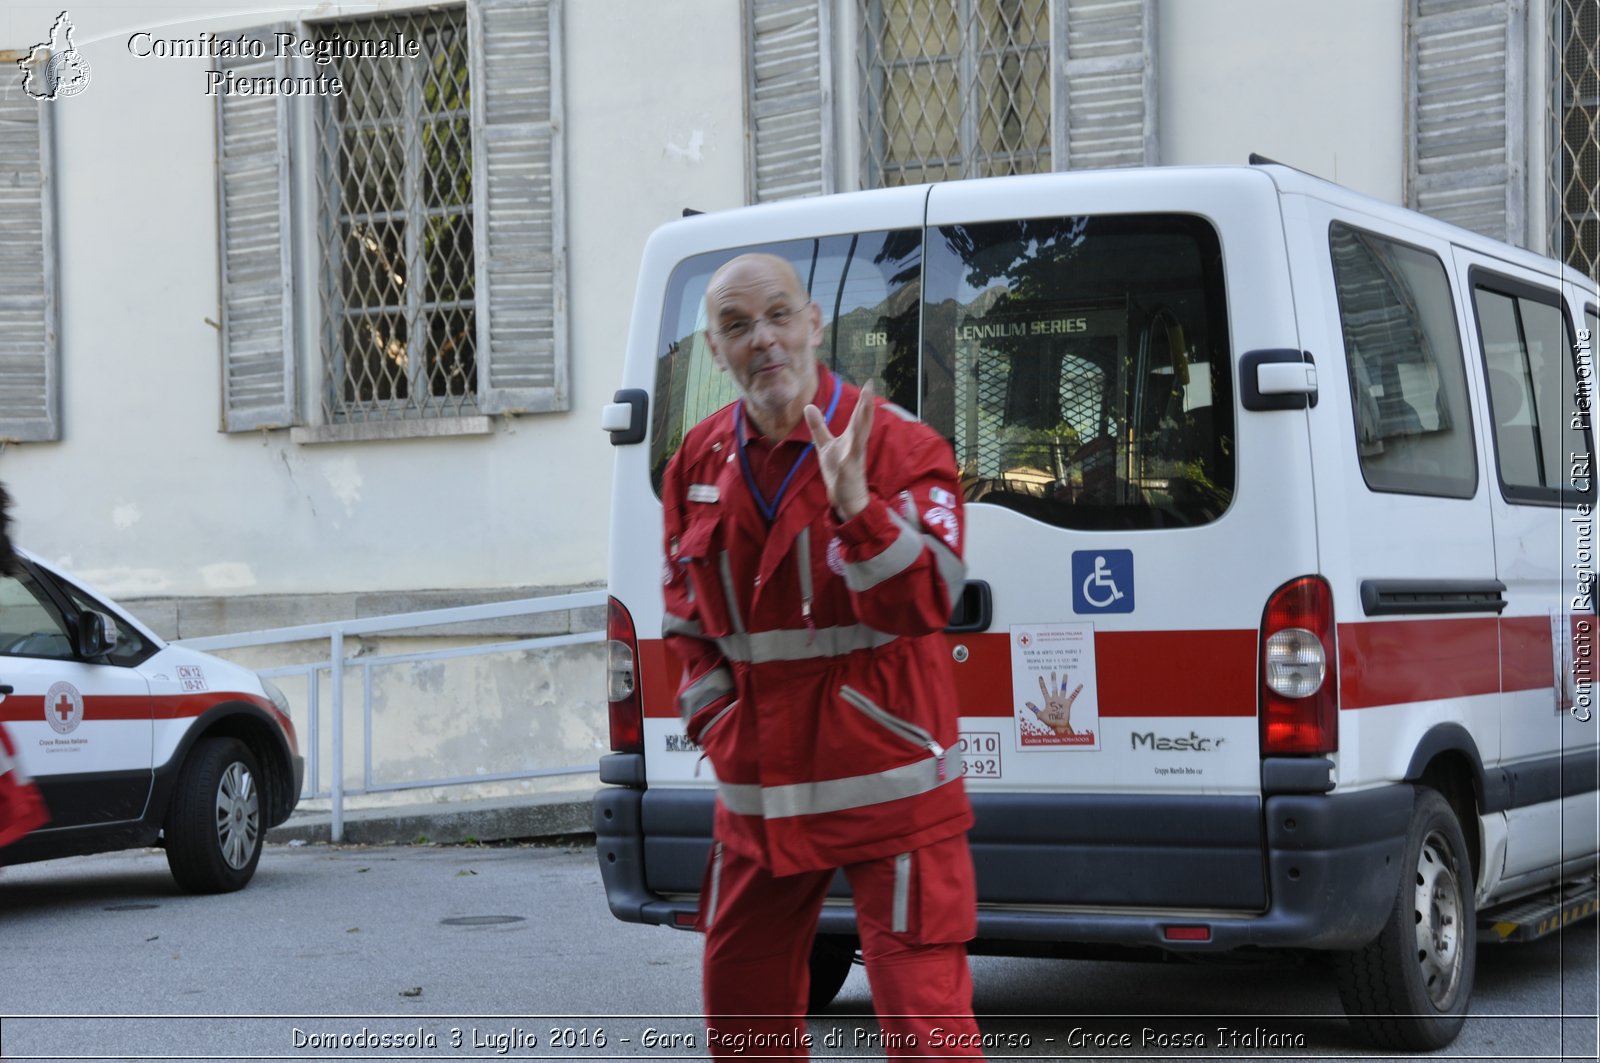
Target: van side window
<point>1529,357</point>
<point>866,284</point>
<point>1407,377</point>
<point>1080,367</point>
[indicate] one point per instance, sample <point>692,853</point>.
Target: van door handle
<point>624,416</point>
<point>974,610</point>
<point>6,688</point>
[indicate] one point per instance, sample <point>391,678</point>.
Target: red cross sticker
<point>1024,640</point>
<point>63,708</point>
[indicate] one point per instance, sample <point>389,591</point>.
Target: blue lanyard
<point>770,509</point>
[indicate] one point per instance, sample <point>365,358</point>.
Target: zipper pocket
<point>900,728</point>
<point>699,739</point>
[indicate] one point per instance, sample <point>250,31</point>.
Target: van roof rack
<point>1261,160</point>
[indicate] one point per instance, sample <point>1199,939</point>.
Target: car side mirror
<point>97,634</point>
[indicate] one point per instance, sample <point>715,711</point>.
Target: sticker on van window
<point>1102,581</point>
<point>1058,661</point>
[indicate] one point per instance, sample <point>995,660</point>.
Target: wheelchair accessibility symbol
<point>1102,581</point>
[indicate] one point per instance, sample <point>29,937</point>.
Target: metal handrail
<point>336,662</point>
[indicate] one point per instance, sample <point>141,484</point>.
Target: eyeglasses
<point>779,317</point>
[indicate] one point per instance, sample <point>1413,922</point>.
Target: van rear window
<point>866,285</point>
<point>1080,367</point>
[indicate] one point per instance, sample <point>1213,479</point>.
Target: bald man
<point>813,539</point>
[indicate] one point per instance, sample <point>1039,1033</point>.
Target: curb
<point>454,822</point>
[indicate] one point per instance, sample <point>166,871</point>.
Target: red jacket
<point>815,676</point>
<point>21,807</point>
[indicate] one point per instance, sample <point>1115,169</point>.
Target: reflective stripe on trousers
<point>833,795</point>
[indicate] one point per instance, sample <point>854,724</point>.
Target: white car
<point>133,742</point>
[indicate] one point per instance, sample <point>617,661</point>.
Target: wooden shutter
<point>254,219</point>
<point>518,212</point>
<point>1103,53</point>
<point>30,361</point>
<point>1466,73</point>
<point>788,105</point>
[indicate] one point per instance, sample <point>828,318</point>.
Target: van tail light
<point>1299,684</point>
<point>622,680</point>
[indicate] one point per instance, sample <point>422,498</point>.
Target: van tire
<point>1409,987</point>
<point>214,829</point>
<point>831,958</point>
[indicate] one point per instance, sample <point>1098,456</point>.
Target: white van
<point>1296,485</point>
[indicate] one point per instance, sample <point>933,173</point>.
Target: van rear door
<point>1130,520</point>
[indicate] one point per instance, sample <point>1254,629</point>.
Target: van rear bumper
<point>1332,866</point>
<point>1315,871</point>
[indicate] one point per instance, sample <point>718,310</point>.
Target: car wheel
<point>214,827</point>
<point>831,958</point>
<point>1408,988</point>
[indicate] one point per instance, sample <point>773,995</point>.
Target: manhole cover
<point>482,920</point>
<point>131,907</point>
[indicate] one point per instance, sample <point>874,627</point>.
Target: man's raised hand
<point>843,457</point>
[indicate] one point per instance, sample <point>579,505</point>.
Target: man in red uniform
<point>813,540</point>
<point>21,807</point>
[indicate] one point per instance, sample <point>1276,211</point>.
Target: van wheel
<point>213,829</point>
<point>831,958</point>
<point>1408,988</point>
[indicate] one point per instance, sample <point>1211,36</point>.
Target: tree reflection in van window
<point>1407,379</point>
<point>1080,367</point>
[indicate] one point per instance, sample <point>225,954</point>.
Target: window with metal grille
<point>1575,170</point>
<point>399,324</point>
<point>953,88</point>
<point>436,225</point>
<point>944,89</point>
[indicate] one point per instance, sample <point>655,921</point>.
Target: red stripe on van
<point>1213,673</point>
<point>23,708</point>
<point>1526,655</point>
<point>658,679</point>
<point>1139,673</point>
<point>1529,657</point>
<point>1399,661</point>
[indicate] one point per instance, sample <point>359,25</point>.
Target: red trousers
<point>914,913</point>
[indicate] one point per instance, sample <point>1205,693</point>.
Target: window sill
<point>366,431</point>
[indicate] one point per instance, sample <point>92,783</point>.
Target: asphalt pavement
<point>497,819</point>
<point>509,951</point>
